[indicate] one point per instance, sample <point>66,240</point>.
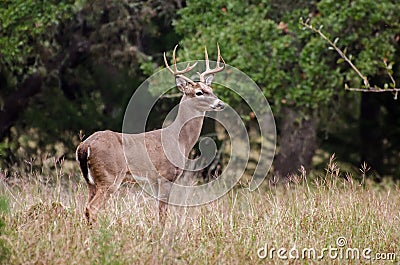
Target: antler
<point>217,68</point>
<point>177,72</point>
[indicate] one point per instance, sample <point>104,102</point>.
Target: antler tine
<point>166,64</point>
<point>174,58</point>
<point>177,72</point>
<point>217,68</point>
<point>220,57</point>
<point>206,56</point>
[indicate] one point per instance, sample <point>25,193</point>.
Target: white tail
<point>107,158</point>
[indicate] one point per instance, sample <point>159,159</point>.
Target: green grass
<point>43,223</point>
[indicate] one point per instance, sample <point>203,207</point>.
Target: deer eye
<point>199,93</point>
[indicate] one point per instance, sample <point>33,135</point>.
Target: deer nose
<point>220,105</point>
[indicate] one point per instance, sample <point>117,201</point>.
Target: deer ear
<point>181,83</point>
<point>209,80</point>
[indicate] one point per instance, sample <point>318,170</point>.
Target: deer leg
<point>96,203</point>
<point>92,193</point>
<point>99,197</point>
<point>164,188</point>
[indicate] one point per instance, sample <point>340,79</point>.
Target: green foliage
<point>25,26</point>
<point>292,67</point>
<point>366,29</point>
<point>269,51</point>
<point>91,57</point>
<point>295,68</point>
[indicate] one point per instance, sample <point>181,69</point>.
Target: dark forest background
<point>68,68</point>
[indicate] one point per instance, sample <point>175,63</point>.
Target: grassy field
<point>335,216</point>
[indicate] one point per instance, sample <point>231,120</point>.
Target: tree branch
<point>367,86</point>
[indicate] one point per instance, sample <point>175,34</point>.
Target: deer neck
<point>187,125</point>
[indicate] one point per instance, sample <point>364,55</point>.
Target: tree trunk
<point>371,132</point>
<point>297,144</point>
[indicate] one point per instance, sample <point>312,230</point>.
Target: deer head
<point>200,91</point>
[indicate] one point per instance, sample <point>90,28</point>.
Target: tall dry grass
<point>44,224</point>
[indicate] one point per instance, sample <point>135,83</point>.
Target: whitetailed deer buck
<point>108,158</point>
